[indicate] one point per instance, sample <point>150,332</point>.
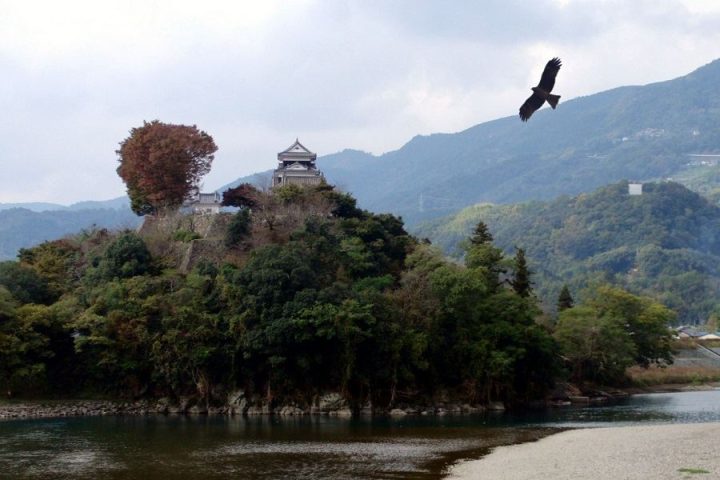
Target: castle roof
<point>296,147</point>
<point>296,150</point>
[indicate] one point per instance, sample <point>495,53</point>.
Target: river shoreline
<point>156,446</point>
<point>50,408</point>
<point>632,453</point>
<point>37,409</point>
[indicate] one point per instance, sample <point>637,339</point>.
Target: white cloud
<point>77,75</point>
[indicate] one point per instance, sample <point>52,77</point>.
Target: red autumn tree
<point>244,195</point>
<point>162,164</point>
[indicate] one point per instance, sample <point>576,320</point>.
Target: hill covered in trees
<point>302,295</point>
<point>633,132</point>
<point>664,243</point>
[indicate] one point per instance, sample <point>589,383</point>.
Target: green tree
<point>612,331</point>
<point>521,281</point>
<point>646,321</point>
<point>481,234</point>
<point>481,253</point>
<point>192,352</point>
<point>565,299</point>
<point>238,228</point>
<point>23,345</point>
<point>597,347</point>
<point>126,256</point>
<point>57,262</point>
<point>24,283</point>
<point>344,205</point>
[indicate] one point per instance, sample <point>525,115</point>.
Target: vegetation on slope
<point>664,243</point>
<point>314,295</point>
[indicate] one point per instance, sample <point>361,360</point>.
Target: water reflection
<point>166,448</point>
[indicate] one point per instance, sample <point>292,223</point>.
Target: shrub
<point>238,228</point>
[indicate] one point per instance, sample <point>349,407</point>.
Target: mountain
<point>664,243</point>
<point>22,228</point>
<point>120,203</point>
<point>637,132</point>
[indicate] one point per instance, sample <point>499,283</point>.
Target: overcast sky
<point>75,76</point>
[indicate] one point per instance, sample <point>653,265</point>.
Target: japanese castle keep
<point>296,165</point>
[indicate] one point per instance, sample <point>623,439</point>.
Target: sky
<point>76,76</point>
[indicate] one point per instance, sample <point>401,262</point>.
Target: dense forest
<point>303,293</point>
<point>664,243</point>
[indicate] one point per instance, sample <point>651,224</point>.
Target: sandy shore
<point>654,452</point>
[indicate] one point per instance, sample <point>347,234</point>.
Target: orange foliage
<point>162,164</point>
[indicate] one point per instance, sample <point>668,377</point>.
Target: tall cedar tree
<point>565,300</point>
<point>162,164</point>
<point>521,282</point>
<point>482,253</point>
<point>481,234</point>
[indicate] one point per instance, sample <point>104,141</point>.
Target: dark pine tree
<point>521,281</point>
<point>565,300</point>
<point>481,235</point>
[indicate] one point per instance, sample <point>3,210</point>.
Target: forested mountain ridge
<point>664,243</point>
<point>636,132</point>
<point>22,228</point>
<point>119,203</point>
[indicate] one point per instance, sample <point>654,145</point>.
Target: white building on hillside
<point>208,203</point>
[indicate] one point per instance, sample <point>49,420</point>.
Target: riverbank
<point>638,452</point>
<point>331,404</point>
<point>69,408</point>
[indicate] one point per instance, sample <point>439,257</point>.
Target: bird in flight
<point>542,91</point>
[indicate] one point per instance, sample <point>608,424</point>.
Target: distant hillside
<point>703,179</point>
<point>664,243</point>
<point>639,132</point>
<point>20,227</point>
<point>119,203</point>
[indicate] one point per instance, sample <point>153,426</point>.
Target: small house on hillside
<point>635,188</point>
<point>204,203</point>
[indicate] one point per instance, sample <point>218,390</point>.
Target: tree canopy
<point>162,164</point>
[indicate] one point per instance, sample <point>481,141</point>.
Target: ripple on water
<point>332,459</point>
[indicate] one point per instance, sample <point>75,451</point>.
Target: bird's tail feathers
<point>553,100</point>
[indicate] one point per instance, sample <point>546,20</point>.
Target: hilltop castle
<point>296,165</point>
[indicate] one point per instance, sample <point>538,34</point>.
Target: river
<point>174,447</point>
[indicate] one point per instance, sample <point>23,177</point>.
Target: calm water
<point>159,447</point>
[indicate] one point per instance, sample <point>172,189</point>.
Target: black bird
<point>542,91</point>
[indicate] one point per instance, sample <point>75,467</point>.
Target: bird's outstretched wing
<point>533,102</point>
<point>547,81</point>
